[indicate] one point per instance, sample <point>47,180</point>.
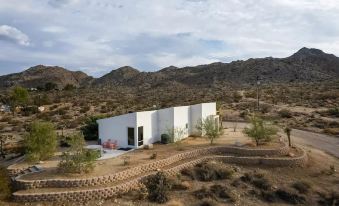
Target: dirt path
<point>323,142</point>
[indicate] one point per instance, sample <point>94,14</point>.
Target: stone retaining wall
<point>107,192</point>
<point>142,169</point>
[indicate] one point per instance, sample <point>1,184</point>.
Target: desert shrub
<point>69,87</point>
<point>265,108</point>
<point>50,86</point>
<point>209,171</point>
<point>85,109</point>
<point>165,139</point>
<point>302,186</point>
<point>41,141</point>
<point>153,156</point>
<point>285,113</point>
<point>262,183</point>
<point>90,129</point>
<point>332,131</point>
<point>333,112</point>
<point>29,110</point>
<point>208,202</point>
<point>329,199</point>
<point>157,186</point>
<point>6,119</point>
<point>260,131</point>
<point>214,192</point>
<point>202,193</point>
<point>290,197</point>
<point>77,159</point>
<point>257,179</point>
<point>269,196</point>
<point>5,184</point>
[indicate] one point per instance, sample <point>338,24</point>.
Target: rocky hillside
<point>39,75</point>
<point>306,65</point>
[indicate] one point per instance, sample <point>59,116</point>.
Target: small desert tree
<point>19,97</point>
<point>41,141</point>
<point>288,130</point>
<point>77,159</point>
<point>260,131</point>
<point>209,128</point>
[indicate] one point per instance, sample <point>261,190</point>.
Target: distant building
<point>142,128</point>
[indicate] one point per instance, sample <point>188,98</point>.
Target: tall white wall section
<point>149,121</point>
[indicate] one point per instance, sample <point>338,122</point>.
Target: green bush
<point>260,131</point>
<point>157,186</point>
<point>90,129</point>
<point>77,159</point>
<point>165,139</point>
<point>41,141</point>
<point>5,184</point>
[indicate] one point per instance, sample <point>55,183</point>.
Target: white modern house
<point>136,129</point>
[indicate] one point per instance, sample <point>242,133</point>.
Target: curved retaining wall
<point>142,169</point>
<point>107,192</point>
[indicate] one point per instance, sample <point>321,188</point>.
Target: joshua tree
<point>288,130</point>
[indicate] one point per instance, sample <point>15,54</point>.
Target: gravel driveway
<point>323,142</point>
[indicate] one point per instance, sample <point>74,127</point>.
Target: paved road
<point>323,142</point>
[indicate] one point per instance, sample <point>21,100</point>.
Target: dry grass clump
<point>302,186</point>
<point>216,192</point>
<point>209,171</point>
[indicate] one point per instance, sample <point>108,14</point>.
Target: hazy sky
<point>96,36</point>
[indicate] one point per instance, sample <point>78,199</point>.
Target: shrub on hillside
<point>285,113</point>
<point>302,186</point>
<point>5,184</point>
<point>77,159</point>
<point>41,141</point>
<point>209,171</point>
<point>157,186</point>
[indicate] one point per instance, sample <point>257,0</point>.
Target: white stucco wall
<point>195,114</point>
<point>165,120</point>
<point>208,109</point>
<point>181,118</point>
<point>154,123</point>
<point>115,128</point>
<point>149,121</point>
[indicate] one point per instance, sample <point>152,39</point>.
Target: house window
<point>186,125</point>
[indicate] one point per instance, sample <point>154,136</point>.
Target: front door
<point>130,136</point>
<point>140,136</point>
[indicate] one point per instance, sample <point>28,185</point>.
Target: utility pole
<point>258,84</point>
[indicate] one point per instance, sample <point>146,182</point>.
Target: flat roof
<point>133,113</point>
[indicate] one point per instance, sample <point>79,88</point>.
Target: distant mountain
<point>118,76</point>
<point>306,65</point>
<point>40,75</point>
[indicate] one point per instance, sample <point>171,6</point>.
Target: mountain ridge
<point>305,65</point>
